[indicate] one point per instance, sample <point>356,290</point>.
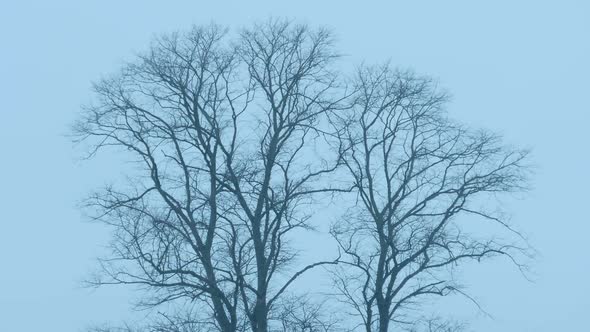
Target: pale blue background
<point>519,67</point>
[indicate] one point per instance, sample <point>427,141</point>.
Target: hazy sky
<point>521,68</point>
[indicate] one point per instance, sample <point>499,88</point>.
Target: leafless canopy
<point>226,134</point>
<point>235,139</point>
<point>421,181</point>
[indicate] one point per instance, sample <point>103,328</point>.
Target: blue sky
<point>520,68</point>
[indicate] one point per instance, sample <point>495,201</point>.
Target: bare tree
<point>289,67</point>
<point>421,183</point>
<point>226,135</point>
<point>168,110</point>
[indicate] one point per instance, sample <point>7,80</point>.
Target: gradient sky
<point>521,68</point>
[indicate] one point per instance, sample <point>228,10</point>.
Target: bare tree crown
<point>415,173</point>
<point>237,137</point>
